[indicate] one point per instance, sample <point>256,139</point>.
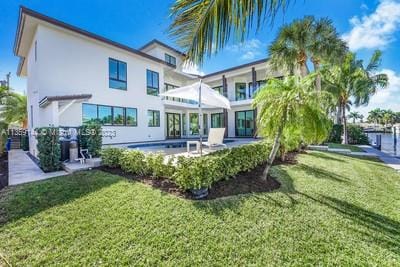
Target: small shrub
<point>356,135</point>
<point>49,148</point>
<point>156,167</point>
<point>133,161</point>
<point>90,138</point>
<point>111,157</point>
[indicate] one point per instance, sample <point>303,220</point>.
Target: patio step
<point>72,167</point>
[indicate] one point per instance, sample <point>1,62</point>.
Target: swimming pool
<point>177,144</point>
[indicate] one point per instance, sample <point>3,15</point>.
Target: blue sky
<point>365,24</point>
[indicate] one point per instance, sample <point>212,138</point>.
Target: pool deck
<point>181,151</point>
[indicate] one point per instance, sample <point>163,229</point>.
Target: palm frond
<point>202,27</point>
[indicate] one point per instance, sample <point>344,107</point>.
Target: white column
<point>54,113</point>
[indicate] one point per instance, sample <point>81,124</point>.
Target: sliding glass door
<point>173,125</point>
<point>244,123</point>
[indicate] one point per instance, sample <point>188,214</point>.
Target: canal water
<point>389,145</point>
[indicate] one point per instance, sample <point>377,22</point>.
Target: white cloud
<point>190,68</point>
<point>388,98</point>
<point>248,49</point>
<point>375,30</point>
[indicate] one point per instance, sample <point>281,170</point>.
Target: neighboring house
<point>74,76</point>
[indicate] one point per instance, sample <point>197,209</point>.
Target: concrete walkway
<point>21,169</point>
<point>389,160</point>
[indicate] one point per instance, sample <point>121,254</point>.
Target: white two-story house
<point>74,76</point>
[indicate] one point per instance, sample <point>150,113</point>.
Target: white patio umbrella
<point>204,95</point>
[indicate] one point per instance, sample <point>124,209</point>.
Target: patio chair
<point>215,138</point>
<point>84,156</point>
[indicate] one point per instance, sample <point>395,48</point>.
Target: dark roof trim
<point>155,41</point>
<point>237,67</point>
<point>47,99</point>
<point>32,13</point>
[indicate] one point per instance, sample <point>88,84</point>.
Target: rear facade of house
<point>74,77</point>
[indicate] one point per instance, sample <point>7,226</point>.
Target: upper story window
<point>153,85</point>
<point>170,59</point>
<point>259,84</point>
<point>219,89</point>
<point>240,91</point>
<point>117,74</point>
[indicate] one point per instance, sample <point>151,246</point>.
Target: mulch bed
<point>243,183</point>
<point>3,171</point>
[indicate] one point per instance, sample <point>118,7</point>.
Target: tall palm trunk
<point>345,137</point>
<point>339,114</point>
<point>318,78</point>
<point>272,154</point>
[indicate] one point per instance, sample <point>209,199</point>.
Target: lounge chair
<point>215,138</point>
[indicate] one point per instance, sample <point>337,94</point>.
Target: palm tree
<point>290,106</point>
<point>15,109</point>
<point>351,79</point>
<point>354,115</point>
<point>303,40</point>
<point>202,27</point>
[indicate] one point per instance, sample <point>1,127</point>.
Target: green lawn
<point>331,210</point>
<point>351,147</point>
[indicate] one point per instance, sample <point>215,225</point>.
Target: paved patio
<point>153,147</point>
<point>21,169</point>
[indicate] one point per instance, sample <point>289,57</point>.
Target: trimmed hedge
<point>190,173</point>
<point>201,172</point>
<point>90,138</point>
<point>49,148</point>
<point>111,157</point>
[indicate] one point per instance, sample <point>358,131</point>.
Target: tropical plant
<point>202,27</point>
<point>351,79</point>
<point>290,105</point>
<point>14,109</point>
<point>375,116</point>
<point>306,39</point>
<point>355,115</point>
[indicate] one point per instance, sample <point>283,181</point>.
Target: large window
<point>168,87</point>
<point>117,74</point>
<point>89,113</point>
<point>240,91</point>
<point>184,124</point>
<point>108,115</point>
<point>193,123</point>
<point>217,120</point>
<point>259,84</point>
<point>154,118</point>
<point>131,116</point>
<point>153,87</point>
<point>205,124</point>
<point>245,123</point>
<point>170,59</point>
<point>105,115</point>
<point>118,116</point>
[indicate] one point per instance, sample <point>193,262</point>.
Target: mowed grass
<point>331,210</point>
<point>342,146</point>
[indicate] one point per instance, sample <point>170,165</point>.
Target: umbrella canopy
<point>209,96</point>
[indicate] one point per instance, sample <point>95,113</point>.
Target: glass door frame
<point>245,129</point>
<point>174,115</point>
